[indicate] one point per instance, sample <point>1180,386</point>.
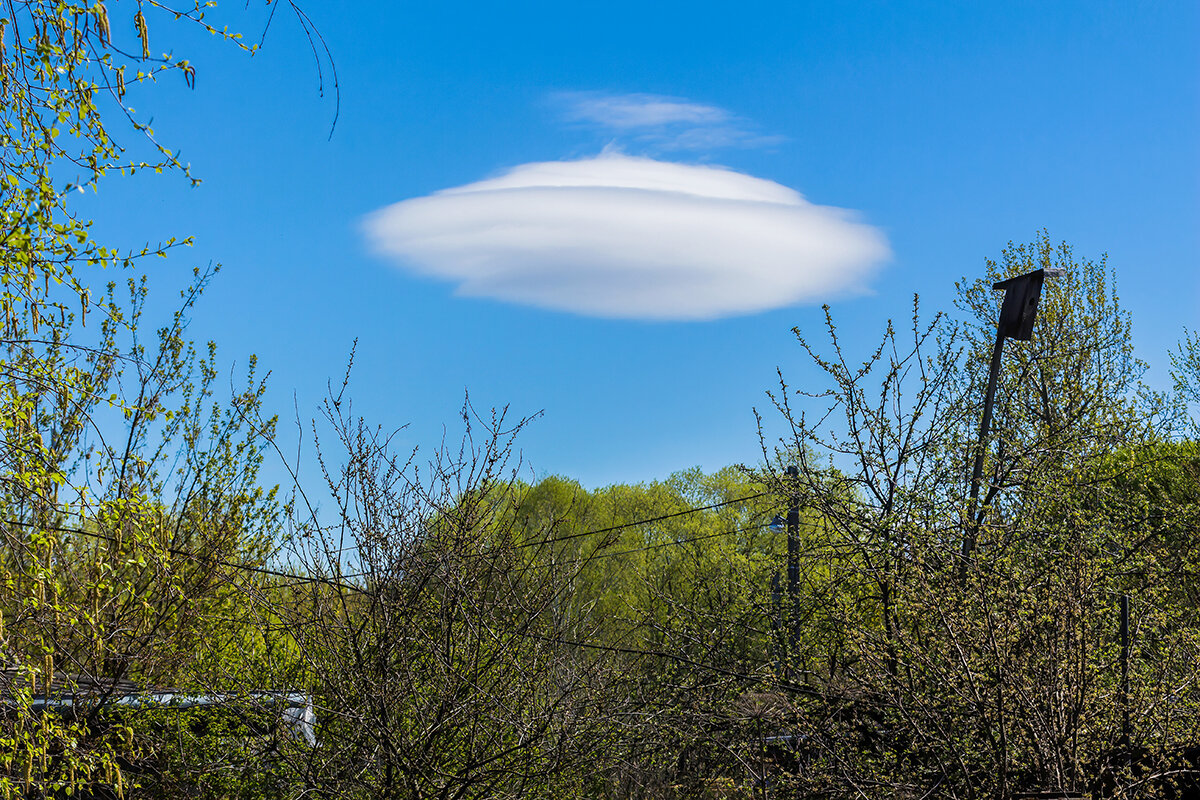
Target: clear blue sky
<point>948,128</point>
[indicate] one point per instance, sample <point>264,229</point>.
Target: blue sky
<point>944,131</point>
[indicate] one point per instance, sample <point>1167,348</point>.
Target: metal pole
<point>968,545</point>
<point>793,534</point>
<point>776,625</point>
<point>1125,672</point>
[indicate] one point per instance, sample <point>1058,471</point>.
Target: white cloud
<point>666,123</point>
<point>637,110</point>
<point>619,236</point>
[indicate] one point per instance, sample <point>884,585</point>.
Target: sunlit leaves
<point>115,454</point>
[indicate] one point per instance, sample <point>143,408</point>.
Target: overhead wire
<point>597,555</point>
<point>611,648</point>
<point>676,542</point>
<point>659,654</point>
<point>186,554</point>
<point>650,521</point>
<point>298,579</point>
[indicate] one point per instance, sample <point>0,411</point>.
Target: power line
<point>661,654</point>
<point>525,634</point>
<point>801,689</point>
<point>730,532</point>
<point>297,579</point>
<point>594,556</point>
<point>189,554</point>
<point>675,542</point>
<point>624,525</point>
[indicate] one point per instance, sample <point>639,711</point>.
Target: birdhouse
<point>1021,296</point>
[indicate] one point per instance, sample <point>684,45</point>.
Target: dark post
<point>776,629</point>
<point>1125,672</point>
<point>793,534</point>
<point>1017,313</point>
<point>984,426</point>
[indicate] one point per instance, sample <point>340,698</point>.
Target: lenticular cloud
<point>619,236</point>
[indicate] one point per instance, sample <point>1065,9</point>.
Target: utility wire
<point>662,654</point>
<point>189,554</point>
<point>549,540</point>
<point>596,555</point>
<point>674,542</point>
<point>730,532</point>
<point>659,654</point>
<point>624,525</point>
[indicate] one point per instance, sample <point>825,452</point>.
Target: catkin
<point>139,20</point>
<point>102,26</point>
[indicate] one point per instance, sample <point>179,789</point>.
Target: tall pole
<point>781,644</point>
<point>793,534</point>
<point>1125,672</point>
<point>1017,313</point>
<point>968,545</point>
